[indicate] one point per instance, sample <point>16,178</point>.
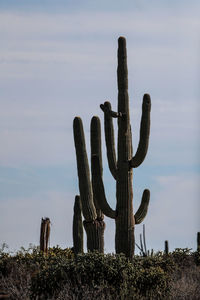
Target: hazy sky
<point>58,60</point>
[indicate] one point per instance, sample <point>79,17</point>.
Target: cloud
<point>174,212</point>
<point>55,38</point>
<point>20,219</point>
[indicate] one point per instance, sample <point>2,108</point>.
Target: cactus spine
<point>93,223</point>
<point>77,227</point>
<point>122,166</point>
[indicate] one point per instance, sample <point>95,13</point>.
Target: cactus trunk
<point>95,235</point>
<point>125,220</point>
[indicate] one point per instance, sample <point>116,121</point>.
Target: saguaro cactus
<point>166,251</point>
<point>44,235</point>
<point>198,241</point>
<point>122,166</point>
<point>93,223</point>
<point>77,227</point>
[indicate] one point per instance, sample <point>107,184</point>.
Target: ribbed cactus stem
<point>143,208</point>
<point>93,223</point>
<point>95,142</point>
<point>99,189</point>
<point>44,235</point>
<point>95,235</point>
<point>198,241</point>
<point>85,186</point>
<point>77,227</point>
<point>124,238</point>
<point>144,133</point>
<point>109,137</point>
<point>166,247</point>
<point>122,169</point>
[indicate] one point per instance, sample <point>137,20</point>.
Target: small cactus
<point>166,251</point>
<point>143,248</point>
<point>77,227</point>
<point>198,241</point>
<point>44,235</point>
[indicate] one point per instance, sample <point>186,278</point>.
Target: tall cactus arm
<point>95,141</point>
<point>99,189</point>
<point>144,133</point>
<point>123,100</point>
<point>85,186</point>
<point>109,136</point>
<point>122,71</point>
<point>77,227</point>
<point>143,208</point>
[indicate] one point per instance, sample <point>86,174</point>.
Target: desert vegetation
<point>53,273</point>
<point>93,202</point>
<point>32,274</point>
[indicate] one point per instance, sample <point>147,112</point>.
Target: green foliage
<point>197,257</point>
<point>122,277</point>
<point>32,259</point>
<point>95,275</point>
<point>182,256</point>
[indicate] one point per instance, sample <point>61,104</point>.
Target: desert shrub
<point>196,256</point>
<point>143,276</point>
<point>154,275</point>
<point>17,283</point>
<point>185,283</point>
<point>33,259</point>
<point>29,274</point>
<point>90,269</point>
<point>182,256</point>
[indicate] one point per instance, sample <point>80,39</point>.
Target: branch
<point>144,133</point>
<point>95,141</point>
<point>110,139</point>
<point>143,208</point>
<point>99,189</point>
<point>85,187</point>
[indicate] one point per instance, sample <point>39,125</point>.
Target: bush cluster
<point>60,275</point>
<point>123,278</point>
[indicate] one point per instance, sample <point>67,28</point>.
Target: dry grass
<point>186,283</point>
<point>17,284</point>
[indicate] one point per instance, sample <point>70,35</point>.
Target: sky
<point>58,60</point>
